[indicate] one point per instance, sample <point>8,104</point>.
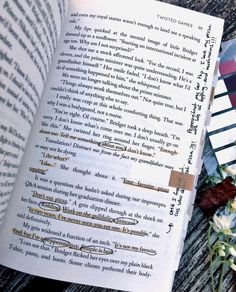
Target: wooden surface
<point>193,274</point>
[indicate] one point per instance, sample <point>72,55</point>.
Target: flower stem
<point>211,255</point>
<point>222,269</point>
<point>221,277</point>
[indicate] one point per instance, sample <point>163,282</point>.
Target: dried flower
<point>212,198</point>
<point>231,205</point>
<point>221,253</point>
<point>232,251</point>
<point>222,224</point>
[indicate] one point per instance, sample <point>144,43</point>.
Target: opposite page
<point>29,31</point>
<point>103,192</point>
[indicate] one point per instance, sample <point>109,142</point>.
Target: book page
<point>102,198</point>
<point>29,31</point>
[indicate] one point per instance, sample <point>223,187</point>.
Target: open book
<point>103,108</point>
